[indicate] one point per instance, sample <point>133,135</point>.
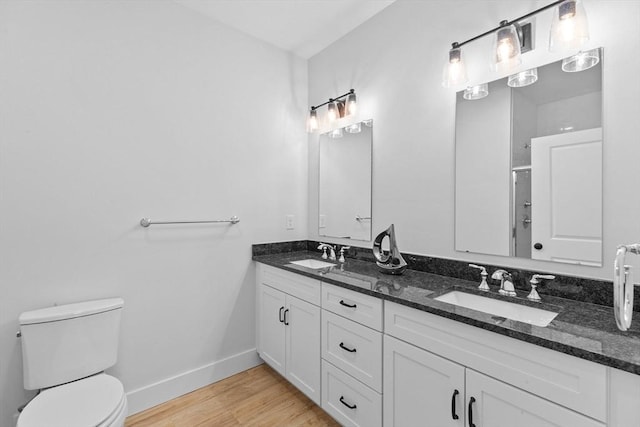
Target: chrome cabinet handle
<point>285,317</point>
<point>280,318</point>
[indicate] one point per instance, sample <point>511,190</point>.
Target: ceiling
<point>304,27</point>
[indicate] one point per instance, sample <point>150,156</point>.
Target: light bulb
<point>581,61</point>
<point>336,133</point>
<point>569,27</point>
<point>476,92</point>
<point>332,113</point>
<point>506,47</point>
<point>354,128</point>
<point>523,78</point>
<point>352,105</point>
<point>313,120</point>
<point>454,72</point>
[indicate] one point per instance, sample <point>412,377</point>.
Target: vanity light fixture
<point>569,27</point>
<point>513,38</point>
<point>476,92</point>
<point>506,47</point>
<point>582,61</point>
<point>313,120</point>
<point>352,105</point>
<point>332,110</point>
<point>454,72</point>
<point>336,108</point>
<point>523,78</point>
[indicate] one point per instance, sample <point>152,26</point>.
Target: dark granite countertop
<point>583,330</point>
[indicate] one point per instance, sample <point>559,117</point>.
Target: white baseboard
<point>170,388</point>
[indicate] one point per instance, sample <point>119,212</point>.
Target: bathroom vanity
<point>375,350</point>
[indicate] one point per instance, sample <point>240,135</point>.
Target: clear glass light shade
<point>312,123</point>
<point>581,61</point>
<point>332,111</point>
<point>336,133</point>
<point>506,48</point>
<point>523,78</point>
<point>454,72</point>
<point>352,105</point>
<point>476,92</point>
<point>569,27</point>
<point>354,128</point>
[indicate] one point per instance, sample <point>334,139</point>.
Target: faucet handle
<point>342,249</point>
<point>483,274</point>
<point>323,247</point>
<point>535,281</point>
<point>482,269</point>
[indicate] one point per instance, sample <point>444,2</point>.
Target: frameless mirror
<point>529,167</point>
<point>345,182</point>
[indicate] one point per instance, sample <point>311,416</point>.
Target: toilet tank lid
<point>70,311</point>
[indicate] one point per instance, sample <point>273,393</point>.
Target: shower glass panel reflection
<point>521,196</point>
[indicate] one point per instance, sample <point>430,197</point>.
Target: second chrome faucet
<point>506,283</point>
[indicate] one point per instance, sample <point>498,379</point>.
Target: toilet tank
<point>68,342</point>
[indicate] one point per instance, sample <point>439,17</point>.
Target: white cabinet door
<point>566,197</point>
<point>420,388</point>
<point>491,403</point>
<point>271,328</point>
<point>302,325</point>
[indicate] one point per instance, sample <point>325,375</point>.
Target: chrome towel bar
<point>145,222</point>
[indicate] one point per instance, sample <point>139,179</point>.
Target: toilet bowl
<point>96,401</point>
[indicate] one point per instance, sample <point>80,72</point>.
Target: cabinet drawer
<point>349,401</point>
<point>305,288</point>
<point>569,381</point>
<point>353,305</point>
<point>354,348</point>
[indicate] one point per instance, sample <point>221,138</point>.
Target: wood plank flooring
<point>257,397</point>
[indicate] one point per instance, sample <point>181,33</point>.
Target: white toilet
<point>65,350</point>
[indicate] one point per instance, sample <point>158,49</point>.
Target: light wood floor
<point>257,397</point>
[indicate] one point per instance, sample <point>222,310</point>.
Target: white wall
<point>394,62</point>
<point>111,111</point>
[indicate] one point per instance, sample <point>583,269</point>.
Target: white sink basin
<point>521,313</point>
<point>313,264</point>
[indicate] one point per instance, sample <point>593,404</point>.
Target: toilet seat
<point>97,401</point>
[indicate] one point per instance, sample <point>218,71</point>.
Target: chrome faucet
<point>332,253</point>
<point>506,283</point>
<point>535,281</point>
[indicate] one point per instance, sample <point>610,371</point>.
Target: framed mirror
<point>529,166</point>
<point>345,182</point>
